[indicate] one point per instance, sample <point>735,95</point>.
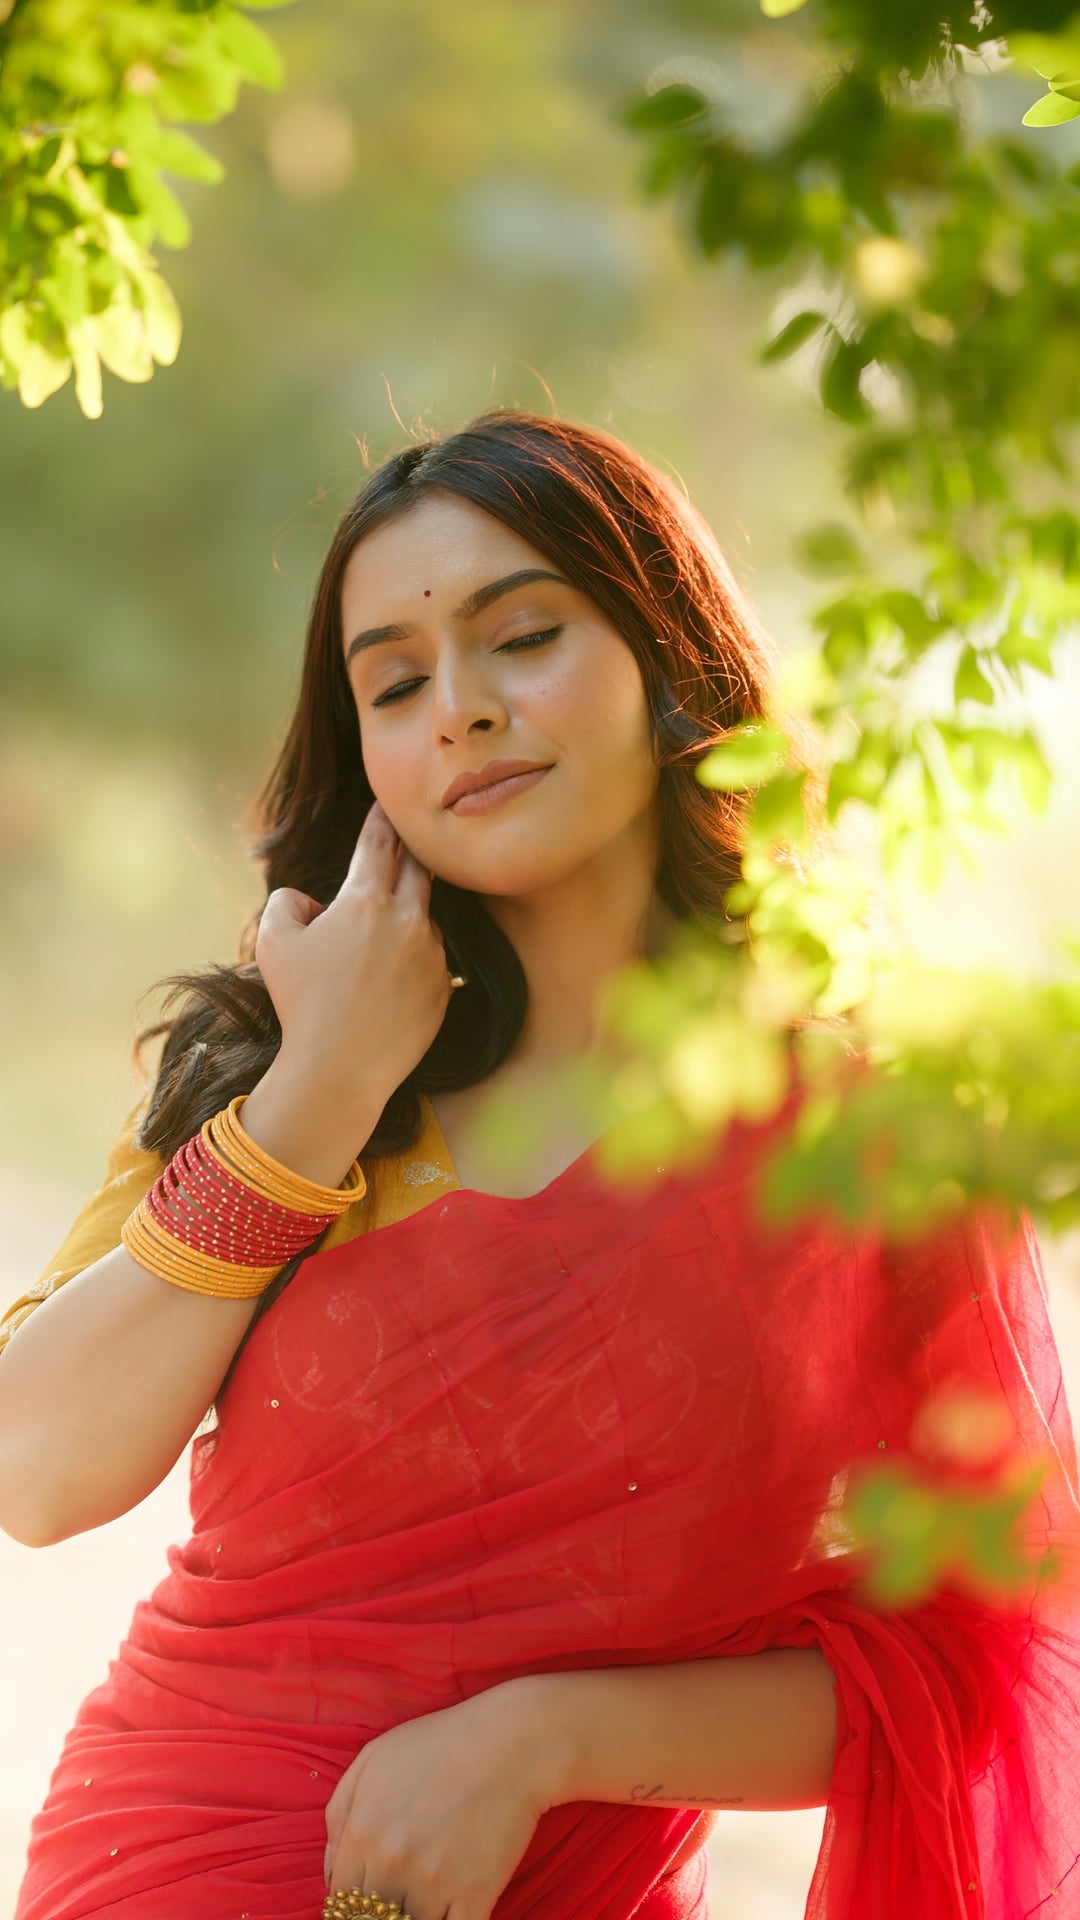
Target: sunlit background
<point>439,214</point>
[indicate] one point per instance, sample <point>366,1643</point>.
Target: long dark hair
<point>625,536</point>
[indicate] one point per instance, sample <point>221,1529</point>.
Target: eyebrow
<point>473,604</point>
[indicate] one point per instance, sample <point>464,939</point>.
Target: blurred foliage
<point>89,98</point>
<point>926,276</point>
<point>921,1537</point>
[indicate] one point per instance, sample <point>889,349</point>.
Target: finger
<point>413,881</point>
<point>371,1879</point>
<point>340,1875</point>
<point>289,906</point>
<point>375,851</point>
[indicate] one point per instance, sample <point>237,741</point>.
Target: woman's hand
<point>437,1813</point>
<point>360,986</point>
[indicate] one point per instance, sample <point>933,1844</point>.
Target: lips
<point>496,792</point>
<point>489,776</point>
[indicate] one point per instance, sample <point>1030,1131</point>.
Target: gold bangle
<point>226,1133</point>
<point>151,1247</point>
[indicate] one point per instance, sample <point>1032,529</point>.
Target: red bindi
<point>427,593</point>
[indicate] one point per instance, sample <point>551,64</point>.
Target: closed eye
<point>523,640</point>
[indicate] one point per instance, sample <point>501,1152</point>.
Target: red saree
<point>585,1429</point>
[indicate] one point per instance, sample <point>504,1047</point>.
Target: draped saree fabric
<point>590,1428</point>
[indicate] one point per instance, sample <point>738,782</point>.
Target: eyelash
<point>394,694</point>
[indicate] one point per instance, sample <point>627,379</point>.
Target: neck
<point>569,943</point>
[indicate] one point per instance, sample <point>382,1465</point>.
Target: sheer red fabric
<point>583,1429</point>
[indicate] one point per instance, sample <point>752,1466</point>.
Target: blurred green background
<point>438,214</point>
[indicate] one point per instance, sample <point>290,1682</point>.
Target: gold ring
<point>343,1905</point>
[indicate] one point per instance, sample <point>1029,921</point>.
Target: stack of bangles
<point>224,1217</point>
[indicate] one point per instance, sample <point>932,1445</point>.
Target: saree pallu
<point>591,1428</point>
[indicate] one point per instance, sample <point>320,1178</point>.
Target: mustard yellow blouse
<point>397,1185</point>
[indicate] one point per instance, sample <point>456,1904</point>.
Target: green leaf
<point>846,639</point>
<point>671,106</point>
<point>51,213</point>
<point>859,779</point>
<point>749,755</point>
<point>41,373</point>
<point>1051,111</point>
<point>971,682</point>
<point>918,626</point>
<point>178,153</point>
<point>161,316</point>
<point>253,51</point>
<point>1032,772</point>
<point>16,333</point>
<point>40,159</point>
<point>67,287</point>
<point>840,375</point>
<point>1055,540</point>
<point>1046,54</point>
<point>1017,648</point>
<point>791,337</point>
<point>158,200</point>
<point>830,548</point>
<point>1021,161</point>
<point>87,369</point>
<point>724,173</point>
<point>777,9</point>
<point>120,338</point>
<point>778,812</point>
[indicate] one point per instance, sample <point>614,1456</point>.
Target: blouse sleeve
<point>129,1174</point>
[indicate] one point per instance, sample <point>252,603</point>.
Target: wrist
<point>536,1711</point>
<point>308,1128</point>
<point>331,1087</point>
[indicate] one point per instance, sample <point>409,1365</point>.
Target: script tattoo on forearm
<point>642,1792</point>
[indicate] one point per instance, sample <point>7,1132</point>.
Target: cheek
<point>388,754</point>
<point>607,739</point>
<point>610,721</point>
<point>601,700</point>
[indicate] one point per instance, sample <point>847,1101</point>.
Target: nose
<point>462,698</point>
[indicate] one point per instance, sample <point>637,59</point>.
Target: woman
<point>512,1557</point>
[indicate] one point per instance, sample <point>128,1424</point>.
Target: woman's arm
<point>95,1230</point>
<point>755,1731</point>
<point>103,1384</point>
<point>447,1802</point>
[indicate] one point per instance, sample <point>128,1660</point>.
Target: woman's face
<point>450,690</point>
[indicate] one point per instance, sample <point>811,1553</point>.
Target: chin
<point>512,876</point>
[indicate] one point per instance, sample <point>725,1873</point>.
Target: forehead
<point>442,543</point>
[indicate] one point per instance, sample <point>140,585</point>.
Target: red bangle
<point>168,1205</point>
<point>205,1205</point>
<point>206,1175</point>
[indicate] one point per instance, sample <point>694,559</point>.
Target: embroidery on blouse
<point>420,1173</point>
